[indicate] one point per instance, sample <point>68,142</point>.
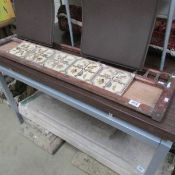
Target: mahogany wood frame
<point>157,113</point>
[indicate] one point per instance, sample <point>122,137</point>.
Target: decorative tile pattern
<point>95,73</point>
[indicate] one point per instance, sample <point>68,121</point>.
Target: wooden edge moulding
<point>148,91</point>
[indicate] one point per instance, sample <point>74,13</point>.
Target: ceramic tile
<point>21,53</point>
<point>26,46</point>
<point>40,60</point>
<point>48,53</point>
<point>100,81</point>
<point>93,67</point>
<point>30,57</point>
<point>39,50</point>
<point>68,60</point>
<point>73,71</point>
<point>82,63</point>
<point>60,67</point>
<point>18,52</point>
<point>85,76</point>
<point>50,63</point>
<point>13,51</point>
<point>123,77</point>
<point>115,87</point>
<point>108,72</point>
<point>61,55</point>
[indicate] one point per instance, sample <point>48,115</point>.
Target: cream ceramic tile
<point>93,67</point>
<point>14,51</point>
<point>69,60</point>
<point>123,77</point>
<point>85,76</point>
<point>40,60</point>
<point>60,67</point>
<point>27,46</point>
<point>60,55</point>
<point>30,57</point>
<point>73,71</point>
<point>56,56</point>
<point>108,72</point>
<point>21,53</point>
<point>31,47</point>
<point>48,53</point>
<point>115,87</point>
<point>100,81</point>
<point>39,50</point>
<point>82,63</point>
<point>50,63</point>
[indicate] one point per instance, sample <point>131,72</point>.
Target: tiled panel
<point>95,73</point>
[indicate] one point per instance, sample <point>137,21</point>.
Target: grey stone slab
<point>118,151</point>
<point>41,137</point>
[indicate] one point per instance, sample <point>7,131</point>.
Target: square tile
<point>108,72</point>
<point>69,60</point>
<point>73,71</point>
<point>85,76</point>
<point>82,63</point>
<point>60,66</point>
<point>93,67</point>
<point>123,77</point>
<point>50,63</point>
<point>48,53</point>
<point>115,87</point>
<point>100,81</point>
<point>20,53</point>
<point>40,60</point>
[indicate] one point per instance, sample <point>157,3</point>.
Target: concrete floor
<point>19,156</point>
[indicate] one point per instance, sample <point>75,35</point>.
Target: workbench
<point>159,134</point>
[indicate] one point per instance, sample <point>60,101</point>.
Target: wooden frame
<point>160,80</point>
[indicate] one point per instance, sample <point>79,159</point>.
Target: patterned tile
<point>100,81</point>
<point>93,67</point>
<point>115,87</point>
<point>122,77</point>
<point>108,72</point>
<point>82,63</point>
<point>73,71</point>
<point>85,76</point>
<point>99,75</point>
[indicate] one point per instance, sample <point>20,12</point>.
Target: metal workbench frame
<point>162,146</point>
<point>167,34</point>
